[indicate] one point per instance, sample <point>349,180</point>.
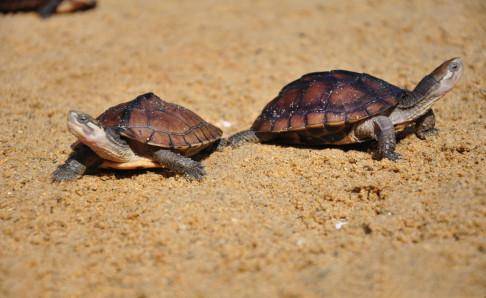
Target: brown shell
<point>327,99</point>
<point>150,120</point>
<point>31,5</point>
<point>19,5</point>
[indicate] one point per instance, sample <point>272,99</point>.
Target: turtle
<point>46,8</point>
<point>146,132</point>
<point>341,107</point>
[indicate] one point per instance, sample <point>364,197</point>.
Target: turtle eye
<point>82,118</point>
<point>454,67</point>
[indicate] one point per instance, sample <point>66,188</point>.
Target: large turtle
<point>344,107</point>
<point>46,7</point>
<point>146,132</point>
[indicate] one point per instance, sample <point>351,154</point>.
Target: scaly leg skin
<point>180,164</point>
<point>240,138</point>
<point>81,160</point>
<point>48,9</point>
<point>223,143</point>
<point>381,129</point>
<point>384,133</point>
<point>425,126</point>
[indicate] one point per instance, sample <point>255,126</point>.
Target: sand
<point>267,221</point>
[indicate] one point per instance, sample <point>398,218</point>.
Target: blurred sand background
<point>267,221</point>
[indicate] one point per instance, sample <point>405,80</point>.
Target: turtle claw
<point>393,156</point>
<point>197,172</point>
<point>423,135</point>
<point>64,173</point>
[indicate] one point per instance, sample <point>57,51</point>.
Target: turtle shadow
<point>129,174</point>
<point>365,147</point>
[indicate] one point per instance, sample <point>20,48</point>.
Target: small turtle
<point>344,107</point>
<point>146,132</point>
<point>46,8</point>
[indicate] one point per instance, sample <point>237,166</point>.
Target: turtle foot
<point>64,173</point>
<point>423,135</point>
<point>195,172</point>
<point>223,143</point>
<point>393,156</point>
<point>191,169</point>
<point>242,137</point>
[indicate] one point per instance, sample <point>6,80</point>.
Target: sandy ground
<point>267,221</point>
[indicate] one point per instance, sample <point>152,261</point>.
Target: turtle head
<point>84,127</point>
<point>104,141</point>
<point>432,87</point>
<point>441,80</point>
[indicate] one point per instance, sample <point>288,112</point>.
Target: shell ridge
<point>177,115</point>
<point>205,135</point>
<point>326,102</point>
<point>200,125</point>
<point>188,144</point>
<point>136,104</point>
<point>151,136</point>
<point>197,137</point>
<point>171,143</point>
<point>306,120</point>
<point>369,90</point>
<point>391,90</point>
<point>299,105</point>
<point>272,124</point>
<point>125,118</point>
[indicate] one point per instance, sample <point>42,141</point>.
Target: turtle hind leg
<point>81,160</point>
<point>49,8</point>
<point>425,126</point>
<point>242,137</point>
<point>190,168</point>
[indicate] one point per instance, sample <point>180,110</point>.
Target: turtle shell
<point>19,5</point>
<point>30,5</point>
<point>153,121</point>
<point>330,100</point>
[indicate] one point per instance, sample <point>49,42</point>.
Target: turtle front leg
<point>381,129</point>
<point>81,160</point>
<point>425,126</point>
<point>384,133</point>
<point>180,164</point>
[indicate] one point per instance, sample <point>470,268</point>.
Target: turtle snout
<point>78,124</point>
<point>78,117</point>
<point>454,71</point>
<point>72,116</point>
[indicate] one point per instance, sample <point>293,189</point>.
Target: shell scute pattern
<point>150,120</point>
<point>327,99</point>
<point>19,5</point>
